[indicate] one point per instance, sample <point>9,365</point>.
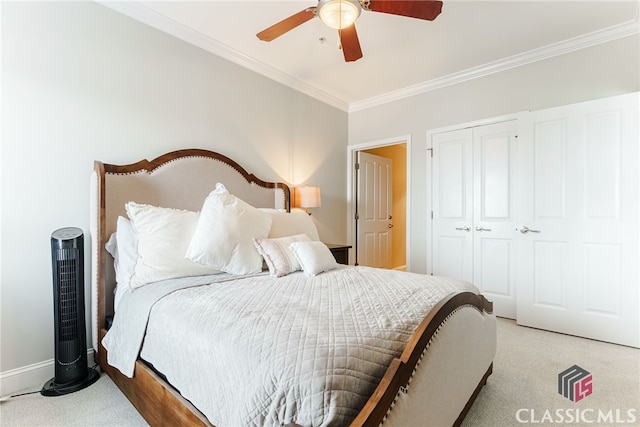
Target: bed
<point>340,345</point>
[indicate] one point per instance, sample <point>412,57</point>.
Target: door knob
<point>524,229</point>
<point>390,225</point>
<point>465,228</point>
<point>480,228</point>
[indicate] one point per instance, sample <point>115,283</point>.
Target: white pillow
<point>163,237</point>
<point>314,257</point>
<point>127,254</point>
<point>276,253</point>
<point>122,245</point>
<point>223,238</point>
<point>291,223</point>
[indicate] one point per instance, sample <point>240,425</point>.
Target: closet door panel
<point>578,194</point>
<point>603,174</point>
<point>452,258</point>
<point>603,264</point>
<point>549,174</point>
<point>549,274</point>
<point>496,177</point>
<point>496,276</point>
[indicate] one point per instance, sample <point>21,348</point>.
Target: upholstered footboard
<point>441,372</point>
<point>450,374</point>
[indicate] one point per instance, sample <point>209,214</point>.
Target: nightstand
<point>340,252</point>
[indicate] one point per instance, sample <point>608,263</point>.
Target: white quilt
<point>269,351</point>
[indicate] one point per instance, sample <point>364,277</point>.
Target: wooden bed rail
<point>157,401</point>
<point>400,370</point>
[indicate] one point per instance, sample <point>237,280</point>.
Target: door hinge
<point>357,216</point>
<point>431,214</point>
<point>430,150</point>
<point>357,166</point>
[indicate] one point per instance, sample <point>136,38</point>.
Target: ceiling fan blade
<point>287,24</point>
<point>421,9</point>
<point>350,43</point>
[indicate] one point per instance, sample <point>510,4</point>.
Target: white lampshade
<point>338,14</point>
<point>306,197</point>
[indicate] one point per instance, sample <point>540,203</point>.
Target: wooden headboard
<point>181,179</point>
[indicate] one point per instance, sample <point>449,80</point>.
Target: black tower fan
<point>67,262</point>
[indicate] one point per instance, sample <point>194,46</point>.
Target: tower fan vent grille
<point>67,297</point>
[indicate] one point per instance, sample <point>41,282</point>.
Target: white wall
<point>81,82</point>
<point>605,70</point>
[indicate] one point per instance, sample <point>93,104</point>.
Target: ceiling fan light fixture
<point>338,14</point>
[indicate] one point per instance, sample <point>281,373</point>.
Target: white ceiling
<point>402,56</point>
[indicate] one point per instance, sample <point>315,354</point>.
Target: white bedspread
<point>269,351</point>
<point>125,337</point>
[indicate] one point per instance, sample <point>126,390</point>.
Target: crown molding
<point>139,12</point>
<point>571,45</point>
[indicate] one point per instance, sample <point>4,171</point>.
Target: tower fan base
<point>51,388</point>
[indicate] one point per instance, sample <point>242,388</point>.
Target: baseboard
<point>400,268</point>
<point>31,377</point>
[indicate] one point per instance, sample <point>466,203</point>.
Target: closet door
<point>472,199</point>
<point>493,231</point>
<point>452,201</point>
<point>578,209</point>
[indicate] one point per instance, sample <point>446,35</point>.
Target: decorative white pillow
<point>223,238</point>
<point>276,253</point>
<point>314,257</point>
<point>291,223</point>
<point>163,237</point>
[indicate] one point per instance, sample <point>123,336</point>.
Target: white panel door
<point>578,211</point>
<point>473,213</point>
<point>493,215</point>
<point>374,210</point>
<point>452,194</point>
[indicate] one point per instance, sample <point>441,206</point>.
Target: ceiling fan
<point>342,14</point>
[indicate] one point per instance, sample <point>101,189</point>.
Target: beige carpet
<point>523,387</point>
<point>524,384</point>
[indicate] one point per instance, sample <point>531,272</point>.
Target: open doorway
<point>378,225</point>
